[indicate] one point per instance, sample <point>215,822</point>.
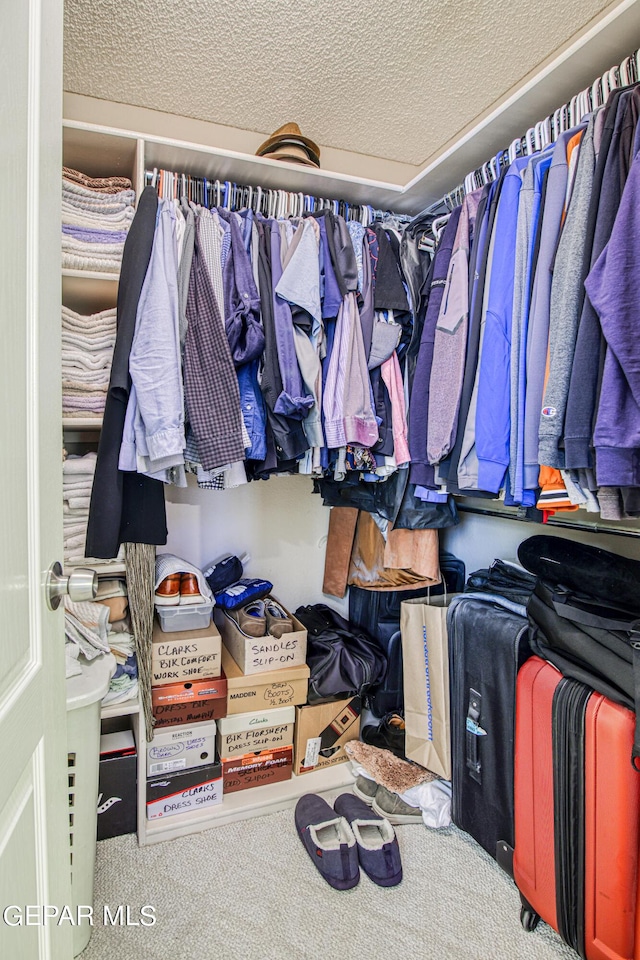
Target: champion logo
<point>549,411</point>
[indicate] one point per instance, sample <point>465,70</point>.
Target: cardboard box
<point>197,711</point>
<point>257,769</point>
<point>117,794</point>
<point>278,688</point>
<point>253,732</point>
<point>187,655</point>
<point>189,691</point>
<point>181,748</point>
<point>183,791</point>
<point>189,702</point>
<point>262,654</point>
<point>322,730</point>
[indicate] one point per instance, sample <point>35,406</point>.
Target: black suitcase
<point>377,612</point>
<point>488,643</point>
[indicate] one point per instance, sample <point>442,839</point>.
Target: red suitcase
<point>577,814</point>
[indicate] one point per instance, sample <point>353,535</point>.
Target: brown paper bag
<point>423,623</point>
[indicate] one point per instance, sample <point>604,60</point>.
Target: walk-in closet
<point>321,579</point>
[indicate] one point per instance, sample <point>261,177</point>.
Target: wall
<point>479,540</point>
<point>279,522</point>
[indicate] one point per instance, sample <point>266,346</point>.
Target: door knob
<point>81,584</point>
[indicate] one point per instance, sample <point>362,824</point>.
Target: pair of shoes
<point>262,618</point>
<point>340,845</point>
<point>178,588</point>
<point>388,734</point>
<point>385,803</point>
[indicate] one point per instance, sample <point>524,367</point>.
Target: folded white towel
<point>73,261</point>
<point>74,245</point>
<point>78,465</point>
<point>87,320</point>
<point>77,217</point>
<point>75,543</point>
<point>72,484</point>
<point>76,193</point>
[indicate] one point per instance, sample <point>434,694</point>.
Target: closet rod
<point>548,130</point>
<point>270,202</point>
<point>566,524</point>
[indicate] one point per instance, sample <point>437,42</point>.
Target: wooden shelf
<point>247,804</point>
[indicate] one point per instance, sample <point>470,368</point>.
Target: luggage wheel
<point>529,919</point>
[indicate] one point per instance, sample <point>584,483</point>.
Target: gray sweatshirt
<point>567,292</point>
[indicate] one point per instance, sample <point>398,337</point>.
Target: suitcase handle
<point>473,733</point>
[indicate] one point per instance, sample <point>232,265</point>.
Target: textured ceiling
<point>389,78</point>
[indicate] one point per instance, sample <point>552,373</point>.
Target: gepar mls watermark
<point>43,915</point>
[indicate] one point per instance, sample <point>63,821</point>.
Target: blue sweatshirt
<point>494,387</point>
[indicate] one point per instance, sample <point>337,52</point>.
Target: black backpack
<point>584,617</point>
<point>344,661</point>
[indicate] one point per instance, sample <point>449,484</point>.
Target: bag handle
<point>444,584</point>
<point>570,611</point>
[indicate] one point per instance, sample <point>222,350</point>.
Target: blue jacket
<point>494,387</point>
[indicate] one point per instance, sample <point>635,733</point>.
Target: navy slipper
<point>328,840</point>
<point>378,850</point>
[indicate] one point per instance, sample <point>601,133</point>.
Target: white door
<point>34,821</point>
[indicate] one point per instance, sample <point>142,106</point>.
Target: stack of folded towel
<point>77,481</point>
<point>96,628</point>
<point>87,352</point>
<point>112,593</point>
<point>96,215</point>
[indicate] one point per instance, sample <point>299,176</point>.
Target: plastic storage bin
<point>84,695</point>
<point>191,616</point>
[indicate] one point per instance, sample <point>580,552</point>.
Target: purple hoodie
<point>613,286</point>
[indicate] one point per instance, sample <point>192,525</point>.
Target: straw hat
<point>288,143</point>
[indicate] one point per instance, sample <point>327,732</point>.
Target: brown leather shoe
<point>278,620</point>
<point>168,592</point>
<point>189,589</point>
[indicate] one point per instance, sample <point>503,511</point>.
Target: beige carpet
<point>248,891</point>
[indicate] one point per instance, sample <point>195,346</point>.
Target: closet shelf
<point>82,423</point>
<point>127,708</point>
<point>91,275</point>
<point>247,804</point>
<point>103,568</point>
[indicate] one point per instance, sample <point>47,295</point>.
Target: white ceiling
<point>396,79</point>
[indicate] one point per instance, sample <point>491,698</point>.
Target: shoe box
<point>252,732</point>
<point>188,702</point>
<point>184,790</point>
<point>181,748</point>
<point>262,654</point>
<point>185,655</point>
<point>278,688</point>
<point>321,732</point>
<point>257,769</point>
<point>117,793</point>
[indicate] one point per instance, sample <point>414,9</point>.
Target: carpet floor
<point>248,891</point>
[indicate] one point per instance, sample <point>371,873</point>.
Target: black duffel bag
<point>584,617</point>
<point>344,661</point>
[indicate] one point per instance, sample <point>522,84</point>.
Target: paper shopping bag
<point>423,624</point>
